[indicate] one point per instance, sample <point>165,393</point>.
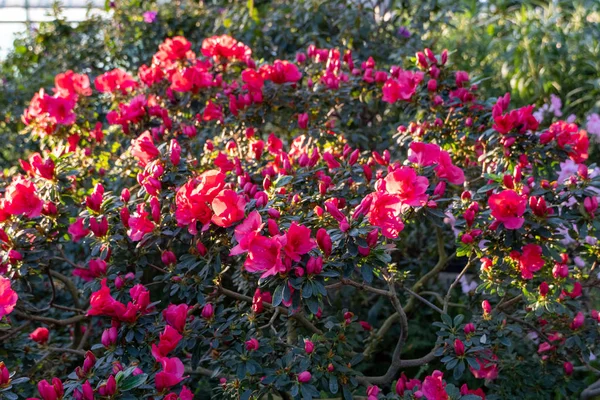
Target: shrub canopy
<point>209,214</point>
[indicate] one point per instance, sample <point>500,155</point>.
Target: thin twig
<point>424,301</point>
<point>453,285</point>
<point>271,321</point>
<point>52,321</point>
<point>350,282</point>
<point>66,350</point>
<point>394,367</point>
<point>443,260</point>
<point>12,332</point>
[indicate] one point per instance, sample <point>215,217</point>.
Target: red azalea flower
<point>20,198</point>
<point>114,80</point>
<point>143,148</point>
<point>403,87</point>
<point>434,388</point>
<point>407,186</point>
<point>508,207</point>
<point>228,208</point>
<point>8,297</point>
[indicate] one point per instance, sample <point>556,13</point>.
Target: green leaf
<point>459,370</point>
<point>333,384</point>
<point>367,273</point>
<point>447,319</point>
<point>458,319</point>
<point>133,382</point>
<point>278,295</point>
<point>313,305</point>
<point>246,395</point>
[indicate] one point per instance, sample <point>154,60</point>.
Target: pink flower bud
<point>109,337</point>
<point>274,213</point>
<point>208,311</point>
<point>89,362</point>
<point>469,328</point>
<point>168,258</point>
<point>252,344</point>
<point>40,335</point>
<point>440,189</point>
<point>14,256</point>
<point>201,248</point>
<point>314,266</point>
<point>560,271</point>
<point>466,238</point>
<point>578,321</point>
<point>486,307</point>
<point>591,205</point>
<point>261,199</point>
<point>304,377</point>
<point>568,367</point>
<point>432,85</point>
<point>324,241</point>
<point>175,151</point>
<point>366,326</point>
<point>459,347</point>
<point>303,121</point>
<point>309,346</point>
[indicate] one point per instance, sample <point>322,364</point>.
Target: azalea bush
<point>213,225</point>
<point>120,38</point>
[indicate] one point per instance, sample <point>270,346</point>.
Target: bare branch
<point>350,282</point>
<point>424,301</point>
<point>443,260</point>
<point>80,353</point>
<point>453,285</point>
<point>396,357</point>
<point>12,332</point>
<point>51,321</point>
<point>591,391</point>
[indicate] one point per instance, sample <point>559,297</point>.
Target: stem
<point>59,322</point>
<point>394,367</point>
<point>443,260</point>
<point>66,350</point>
<point>424,301</point>
<point>456,281</point>
<point>350,282</point>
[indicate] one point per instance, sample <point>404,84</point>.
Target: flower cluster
<point>215,216</point>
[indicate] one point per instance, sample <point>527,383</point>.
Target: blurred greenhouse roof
<point>16,15</point>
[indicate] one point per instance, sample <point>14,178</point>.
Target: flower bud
<point>568,368</point>
<point>201,248</point>
<point>40,335</point>
<point>469,328</point>
<point>208,311</point>
<point>304,377</point>
<point>459,348</point>
<point>486,307</point>
<point>252,344</point>
<point>109,337</point>
<point>324,241</point>
<point>168,258</point>
<point>309,346</point>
